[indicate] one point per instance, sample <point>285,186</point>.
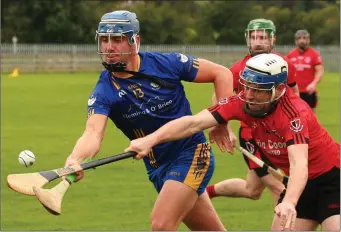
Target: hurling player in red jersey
<point>286,131</point>
<point>260,38</point>
<point>309,67</point>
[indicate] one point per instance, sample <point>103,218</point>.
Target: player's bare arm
<point>222,134</point>
<point>219,75</point>
<point>298,158</point>
<point>174,130</point>
<point>89,143</point>
<point>319,70</point>
<point>223,84</point>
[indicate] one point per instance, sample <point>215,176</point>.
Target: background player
<point>140,92</point>
<point>309,67</point>
<point>286,131</point>
<point>260,35</point>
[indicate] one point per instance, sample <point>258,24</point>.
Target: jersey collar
<point>128,75</point>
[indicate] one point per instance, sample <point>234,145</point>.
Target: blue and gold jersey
<point>139,106</point>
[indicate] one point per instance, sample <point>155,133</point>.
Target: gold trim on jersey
<point>138,62</point>
<point>116,85</point>
<point>139,134</point>
<point>196,63</point>
<point>91,111</point>
<point>201,162</point>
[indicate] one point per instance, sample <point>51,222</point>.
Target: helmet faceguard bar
<point>267,46</point>
<point>271,36</point>
<point>256,80</point>
<point>116,35</point>
<point>257,89</point>
<point>260,45</point>
<point>108,50</point>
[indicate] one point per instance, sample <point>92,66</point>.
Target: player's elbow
<point>224,75</point>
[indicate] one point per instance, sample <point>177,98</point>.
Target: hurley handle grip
<point>72,177</point>
<point>107,160</point>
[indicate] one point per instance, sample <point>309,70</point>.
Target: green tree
<point>324,25</point>
<point>51,21</point>
<point>169,22</point>
<point>166,22</point>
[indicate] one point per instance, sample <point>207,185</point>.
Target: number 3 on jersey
<point>138,93</point>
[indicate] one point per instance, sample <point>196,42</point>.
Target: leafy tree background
<point>168,22</point>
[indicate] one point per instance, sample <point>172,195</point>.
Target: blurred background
<point>49,67</point>
<point>60,35</point>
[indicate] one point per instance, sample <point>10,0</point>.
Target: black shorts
<point>320,198</point>
<point>247,142</point>
<point>311,99</point>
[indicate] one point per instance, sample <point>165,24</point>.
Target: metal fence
<point>72,58</point>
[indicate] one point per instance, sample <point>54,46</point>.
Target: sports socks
<point>210,190</point>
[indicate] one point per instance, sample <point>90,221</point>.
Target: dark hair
<point>302,32</point>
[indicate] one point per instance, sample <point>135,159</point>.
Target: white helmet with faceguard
<point>259,79</point>
<point>117,24</point>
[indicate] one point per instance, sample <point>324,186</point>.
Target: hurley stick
<point>276,173</point>
<point>52,198</point>
<point>24,183</point>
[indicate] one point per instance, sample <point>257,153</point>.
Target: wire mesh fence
<point>83,57</point>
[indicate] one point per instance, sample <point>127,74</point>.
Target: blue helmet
<point>119,23</point>
<point>262,74</point>
<point>265,72</point>
<point>266,69</point>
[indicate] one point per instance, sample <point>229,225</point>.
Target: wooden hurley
<point>24,183</point>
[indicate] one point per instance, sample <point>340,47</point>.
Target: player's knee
<point>254,193</point>
<point>159,224</point>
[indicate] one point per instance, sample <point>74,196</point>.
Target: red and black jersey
<point>292,122</point>
<point>305,63</point>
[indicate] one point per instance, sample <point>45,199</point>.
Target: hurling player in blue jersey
<point>140,92</point>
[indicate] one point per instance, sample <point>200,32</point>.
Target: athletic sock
<point>210,190</point>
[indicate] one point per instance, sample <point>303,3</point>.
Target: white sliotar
<point>26,158</point>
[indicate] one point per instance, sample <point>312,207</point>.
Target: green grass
<point>46,113</point>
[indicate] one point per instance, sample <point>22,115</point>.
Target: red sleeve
<point>235,69</point>
<point>228,109</point>
<point>316,58</point>
<point>288,56</point>
<point>296,130</point>
<point>291,73</point>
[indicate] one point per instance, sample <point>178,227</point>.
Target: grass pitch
<point>46,113</point>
